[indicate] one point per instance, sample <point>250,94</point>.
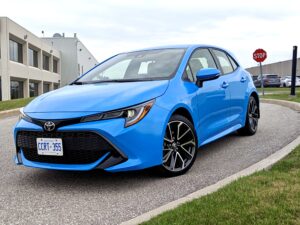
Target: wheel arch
<point>183,112</point>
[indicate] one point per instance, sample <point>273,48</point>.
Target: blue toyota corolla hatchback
<point>148,108</point>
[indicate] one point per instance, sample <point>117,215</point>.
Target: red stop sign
<point>259,55</point>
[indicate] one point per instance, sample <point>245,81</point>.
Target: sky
<point>110,27</point>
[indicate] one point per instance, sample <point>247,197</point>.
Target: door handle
<point>225,84</point>
<point>243,79</point>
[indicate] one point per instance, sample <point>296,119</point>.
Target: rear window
<point>272,76</point>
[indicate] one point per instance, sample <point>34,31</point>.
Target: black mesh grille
<point>78,147</point>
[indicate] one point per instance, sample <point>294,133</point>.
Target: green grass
<point>286,97</point>
<point>13,104</point>
<point>266,197</point>
<point>280,93</point>
<point>275,89</point>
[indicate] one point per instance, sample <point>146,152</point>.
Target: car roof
<point>186,46</point>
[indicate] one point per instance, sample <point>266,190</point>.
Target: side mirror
<point>206,75</point>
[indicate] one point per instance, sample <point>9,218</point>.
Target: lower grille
<point>78,147</point>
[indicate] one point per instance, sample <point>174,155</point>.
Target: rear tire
<point>179,148</point>
<point>252,116</point>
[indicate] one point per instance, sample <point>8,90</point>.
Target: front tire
<point>179,147</point>
<point>252,116</point>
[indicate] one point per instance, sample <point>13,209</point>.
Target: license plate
<point>49,146</point>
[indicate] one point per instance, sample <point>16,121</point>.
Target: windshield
<point>136,66</point>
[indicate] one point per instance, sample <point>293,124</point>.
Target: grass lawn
<point>281,93</point>
<point>266,197</point>
<point>275,89</point>
<point>286,97</point>
<point>13,104</point>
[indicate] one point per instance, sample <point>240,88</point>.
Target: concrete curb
<point>261,165</point>
<point>8,113</point>
<point>292,105</point>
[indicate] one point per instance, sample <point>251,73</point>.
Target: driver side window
<point>200,59</point>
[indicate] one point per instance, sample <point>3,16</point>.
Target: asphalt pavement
<point>35,196</point>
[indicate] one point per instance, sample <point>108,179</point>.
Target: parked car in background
<point>287,81</point>
<point>255,81</point>
<point>269,80</point>
<point>152,107</point>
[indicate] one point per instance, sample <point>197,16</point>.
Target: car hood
<point>93,98</point>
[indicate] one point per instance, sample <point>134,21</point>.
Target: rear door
<point>237,85</point>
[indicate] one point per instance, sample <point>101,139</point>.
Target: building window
<point>33,57</point>
<point>16,89</point>
<point>46,87</point>
<point>15,51</point>
<point>55,86</point>
<point>55,65</point>
<point>33,89</point>
<point>46,60</point>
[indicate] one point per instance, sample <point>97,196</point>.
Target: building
<point>75,57</point>
<point>283,68</point>
<point>28,65</point>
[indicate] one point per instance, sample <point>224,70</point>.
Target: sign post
<point>294,70</point>
<point>259,55</point>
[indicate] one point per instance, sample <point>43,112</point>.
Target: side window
<point>188,76</point>
<point>233,63</point>
<point>200,59</point>
<point>224,61</point>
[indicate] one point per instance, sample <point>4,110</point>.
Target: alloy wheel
<point>179,146</point>
<point>253,114</point>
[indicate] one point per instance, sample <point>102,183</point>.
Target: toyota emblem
<point>49,126</point>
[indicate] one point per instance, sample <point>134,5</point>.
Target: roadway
<point>35,196</point>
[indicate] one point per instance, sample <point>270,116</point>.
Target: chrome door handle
<point>243,79</point>
<point>225,84</point>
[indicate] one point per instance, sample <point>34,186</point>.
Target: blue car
<point>148,108</point>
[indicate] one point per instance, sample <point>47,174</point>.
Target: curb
<point>261,165</point>
<point>292,105</point>
<point>8,113</point>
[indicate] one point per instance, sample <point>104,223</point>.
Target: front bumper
<point>135,147</point>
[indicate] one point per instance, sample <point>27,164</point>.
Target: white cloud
<point>109,27</point>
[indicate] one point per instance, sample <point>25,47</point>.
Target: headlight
<point>24,116</point>
<point>132,115</point>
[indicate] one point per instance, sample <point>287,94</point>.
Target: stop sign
<point>259,55</point>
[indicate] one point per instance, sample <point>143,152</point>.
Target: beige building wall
<point>11,70</point>
<point>76,59</point>
<point>283,68</point>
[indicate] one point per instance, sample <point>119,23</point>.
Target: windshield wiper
<point>77,83</point>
